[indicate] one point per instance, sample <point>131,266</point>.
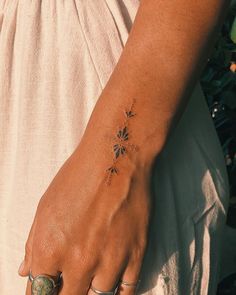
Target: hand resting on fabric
<point>96,233</point>
<point>87,230</point>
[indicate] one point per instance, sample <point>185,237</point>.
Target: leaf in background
<point>233,31</point>
<point>229,99</point>
<point>227,78</point>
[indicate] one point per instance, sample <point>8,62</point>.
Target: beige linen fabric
<point>55,58</point>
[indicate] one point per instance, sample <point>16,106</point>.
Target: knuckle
<point>28,249</point>
<point>143,243</point>
<point>138,251</point>
<point>85,260</point>
<point>45,249</point>
<point>79,258</point>
<point>137,254</point>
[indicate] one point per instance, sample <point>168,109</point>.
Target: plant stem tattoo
<point>121,144</point>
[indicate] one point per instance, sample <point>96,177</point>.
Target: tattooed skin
<point>121,145</point>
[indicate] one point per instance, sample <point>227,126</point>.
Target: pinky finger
<point>130,279</point>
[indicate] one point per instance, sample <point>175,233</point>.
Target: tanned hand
<point>91,223</point>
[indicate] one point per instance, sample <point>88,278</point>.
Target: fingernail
<point>21,266</point>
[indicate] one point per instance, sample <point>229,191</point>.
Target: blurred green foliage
<point>218,81</point>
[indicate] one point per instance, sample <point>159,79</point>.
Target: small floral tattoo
<point>121,145</point>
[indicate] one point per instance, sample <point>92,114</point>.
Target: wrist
<point>97,153</point>
<point>118,140</point>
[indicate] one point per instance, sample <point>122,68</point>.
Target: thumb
<point>24,267</point>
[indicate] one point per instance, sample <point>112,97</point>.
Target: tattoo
<point>121,145</point>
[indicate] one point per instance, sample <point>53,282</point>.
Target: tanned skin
<point>91,229</point>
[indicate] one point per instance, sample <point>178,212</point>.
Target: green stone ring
<point>43,284</point>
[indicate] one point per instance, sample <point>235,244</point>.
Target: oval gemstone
<point>42,285</point>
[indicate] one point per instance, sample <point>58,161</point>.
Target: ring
<point>103,292</point>
<point>43,284</point>
<point>130,284</point>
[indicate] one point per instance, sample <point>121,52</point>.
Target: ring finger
<point>107,276</point>
<point>130,277</point>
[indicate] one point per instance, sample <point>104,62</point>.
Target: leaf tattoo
<point>123,134</point>
<point>121,146</point>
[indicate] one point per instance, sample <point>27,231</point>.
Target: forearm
<point>163,57</point>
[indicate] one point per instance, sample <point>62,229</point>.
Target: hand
<point>88,231</point>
